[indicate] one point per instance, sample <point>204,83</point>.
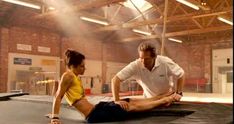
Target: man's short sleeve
<point>127,71</point>
<point>174,68</point>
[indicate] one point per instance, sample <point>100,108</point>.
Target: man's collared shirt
<point>157,81</point>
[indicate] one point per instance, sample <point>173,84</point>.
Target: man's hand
<point>172,98</point>
<point>168,93</point>
<point>178,97</point>
<point>123,104</point>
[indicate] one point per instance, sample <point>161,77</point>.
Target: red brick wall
<point>4,59</point>
<point>35,38</point>
<point>96,50</point>
<point>12,36</point>
<point>194,58</point>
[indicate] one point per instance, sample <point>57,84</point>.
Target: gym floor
<point>31,109</point>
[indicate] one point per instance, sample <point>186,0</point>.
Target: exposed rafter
<point>82,5</point>
<point>181,21</point>
<point>181,33</point>
<point>186,13</point>
<point>169,19</point>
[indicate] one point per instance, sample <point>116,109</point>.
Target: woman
<point>71,87</point>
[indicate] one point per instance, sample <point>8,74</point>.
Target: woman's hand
<point>123,104</point>
<point>55,121</point>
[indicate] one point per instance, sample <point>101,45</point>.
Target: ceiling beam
<point>140,15</point>
<point>181,33</point>
<point>210,21</point>
<point>81,5</point>
<point>164,27</point>
<point>116,12</point>
<point>217,4</point>
<point>159,20</point>
<point>227,3</point>
<point>175,8</point>
<point>195,21</point>
<point>155,6</point>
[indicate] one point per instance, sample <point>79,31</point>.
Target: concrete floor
<point>208,97</point>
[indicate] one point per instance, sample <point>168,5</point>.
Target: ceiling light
<point>172,39</point>
<point>94,20</point>
<point>188,3</point>
<point>23,3</point>
<point>51,8</point>
<point>141,32</point>
<point>140,4</point>
<point>203,2</point>
<point>223,19</point>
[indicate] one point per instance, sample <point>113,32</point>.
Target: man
<point>72,89</point>
<point>153,72</point>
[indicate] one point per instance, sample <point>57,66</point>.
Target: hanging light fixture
<point>225,20</point>
<point>175,40</point>
<point>141,32</point>
<point>189,3</point>
<point>203,2</point>
<point>94,20</point>
<point>26,4</point>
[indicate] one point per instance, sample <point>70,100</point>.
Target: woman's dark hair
<point>73,58</point>
<point>147,46</point>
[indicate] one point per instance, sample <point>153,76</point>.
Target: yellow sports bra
<point>75,91</point>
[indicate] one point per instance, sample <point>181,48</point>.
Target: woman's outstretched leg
<point>148,105</point>
<point>143,100</point>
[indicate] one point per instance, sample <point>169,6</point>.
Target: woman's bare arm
<point>63,86</point>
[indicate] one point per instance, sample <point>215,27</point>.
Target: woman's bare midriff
<point>84,106</point>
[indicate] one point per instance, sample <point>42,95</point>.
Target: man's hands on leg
<point>172,98</point>
<point>123,104</point>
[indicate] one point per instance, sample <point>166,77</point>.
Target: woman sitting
<point>71,87</point>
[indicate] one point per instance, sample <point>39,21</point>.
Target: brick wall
<point>94,50</point>
<point>12,36</point>
<point>35,38</point>
<point>194,58</point>
<point>97,50</point>
<point>4,58</point>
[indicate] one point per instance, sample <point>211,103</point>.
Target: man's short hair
<point>146,46</point>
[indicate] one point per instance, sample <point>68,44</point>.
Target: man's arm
<point>178,72</point>
<point>180,84</point>
<point>122,75</point>
<point>179,87</point>
<point>115,86</point>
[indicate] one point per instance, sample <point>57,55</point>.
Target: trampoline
<point>28,109</point>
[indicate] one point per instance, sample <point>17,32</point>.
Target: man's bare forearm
<point>180,84</point>
<point>115,86</point>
